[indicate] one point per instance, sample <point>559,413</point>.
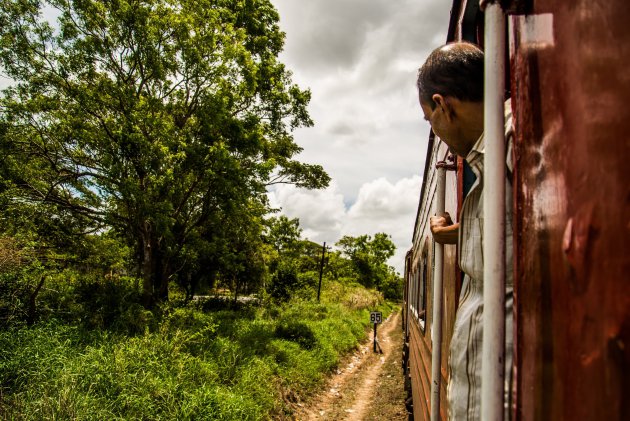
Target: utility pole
<point>321,272</point>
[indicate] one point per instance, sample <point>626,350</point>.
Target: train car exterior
<point>420,274</point>
<point>569,89</point>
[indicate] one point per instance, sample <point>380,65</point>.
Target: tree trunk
<point>162,276</point>
<point>32,303</point>
<point>148,265</point>
<point>190,287</point>
<point>147,273</point>
<point>236,288</point>
<point>155,269</point>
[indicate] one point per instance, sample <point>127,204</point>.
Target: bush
<point>392,288</point>
<point>21,281</point>
<point>14,300</point>
<point>284,281</point>
<point>306,288</point>
<point>297,331</point>
<point>113,304</point>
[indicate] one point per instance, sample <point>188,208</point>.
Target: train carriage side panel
<point>419,327</point>
<point>570,94</point>
<point>420,279</point>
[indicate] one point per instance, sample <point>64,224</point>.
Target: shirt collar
<point>475,156</point>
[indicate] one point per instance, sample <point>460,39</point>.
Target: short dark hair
<point>452,70</point>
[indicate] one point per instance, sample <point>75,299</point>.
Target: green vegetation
<point>138,140</point>
<point>77,343</point>
<point>237,364</point>
<point>160,122</point>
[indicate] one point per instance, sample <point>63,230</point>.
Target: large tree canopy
<point>159,119</point>
<point>369,257</point>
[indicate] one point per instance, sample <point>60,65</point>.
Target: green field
<point>195,361</point>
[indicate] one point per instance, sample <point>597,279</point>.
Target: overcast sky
<point>359,58</point>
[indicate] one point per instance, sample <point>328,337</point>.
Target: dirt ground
<point>367,386</point>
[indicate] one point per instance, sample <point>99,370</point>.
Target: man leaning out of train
<point>450,85</point>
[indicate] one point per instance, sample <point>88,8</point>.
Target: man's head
<point>450,87</point>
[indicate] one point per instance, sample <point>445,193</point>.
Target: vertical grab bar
<point>436,323</point>
<point>493,353</point>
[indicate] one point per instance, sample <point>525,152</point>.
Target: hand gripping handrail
<point>436,329</point>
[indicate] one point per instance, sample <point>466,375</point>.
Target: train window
<point>414,302</point>
<point>410,292</point>
<point>433,269</point>
<point>417,288</point>
<point>418,296</point>
<point>423,286</point>
<point>421,292</point>
<point>413,294</point>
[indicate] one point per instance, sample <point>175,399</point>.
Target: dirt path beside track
<point>368,385</point>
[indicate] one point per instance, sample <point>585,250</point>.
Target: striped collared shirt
<point>464,386</point>
<point>471,217</point>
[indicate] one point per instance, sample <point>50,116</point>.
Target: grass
<point>247,364</point>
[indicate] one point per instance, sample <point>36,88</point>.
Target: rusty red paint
<point>572,211</point>
<point>570,88</point>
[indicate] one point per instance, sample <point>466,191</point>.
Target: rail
<point>493,353</point>
<point>436,324</point>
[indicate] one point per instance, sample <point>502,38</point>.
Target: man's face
<point>429,115</point>
<point>443,125</point>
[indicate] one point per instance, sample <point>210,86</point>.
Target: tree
<point>154,118</point>
<point>283,234</point>
<point>228,250</point>
<point>339,267</point>
<point>369,257</point>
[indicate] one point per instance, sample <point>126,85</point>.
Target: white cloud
<point>380,198</point>
<point>385,207</point>
<point>381,207</point>
<point>329,34</point>
<point>360,59</point>
<point>321,212</point>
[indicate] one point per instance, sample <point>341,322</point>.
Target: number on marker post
<point>376,317</point>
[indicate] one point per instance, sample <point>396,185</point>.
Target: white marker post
<point>376,317</point>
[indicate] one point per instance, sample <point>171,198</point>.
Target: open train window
<point>413,280</point>
<point>414,296</point>
<point>422,287</point>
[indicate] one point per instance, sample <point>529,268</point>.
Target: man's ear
<point>443,103</point>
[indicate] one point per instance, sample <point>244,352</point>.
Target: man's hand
<point>443,229</point>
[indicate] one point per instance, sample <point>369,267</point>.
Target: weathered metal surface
<point>570,89</point>
<point>420,340</point>
<point>570,95</point>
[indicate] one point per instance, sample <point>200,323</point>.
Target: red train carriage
<point>569,85</point>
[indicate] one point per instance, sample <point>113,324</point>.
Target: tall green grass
<point>246,364</point>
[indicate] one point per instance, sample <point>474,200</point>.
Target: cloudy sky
<point>359,58</point>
